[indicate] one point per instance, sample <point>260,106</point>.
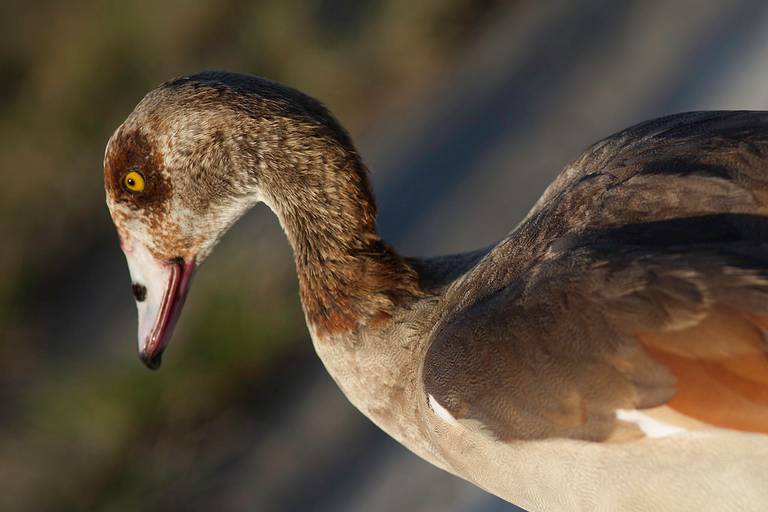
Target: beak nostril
<point>139,292</point>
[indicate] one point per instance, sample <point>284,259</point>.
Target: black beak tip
<point>151,361</point>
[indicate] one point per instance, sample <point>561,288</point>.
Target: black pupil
<point>131,182</point>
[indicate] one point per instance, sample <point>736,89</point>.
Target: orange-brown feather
<point>721,366</point>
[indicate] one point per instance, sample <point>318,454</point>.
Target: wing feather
<point>638,281</point>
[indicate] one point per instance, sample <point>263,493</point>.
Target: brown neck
<point>349,277</point>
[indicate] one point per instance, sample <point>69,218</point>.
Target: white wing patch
<point>651,427</point>
<point>441,411</point>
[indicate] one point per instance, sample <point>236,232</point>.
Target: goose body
<point>607,354</point>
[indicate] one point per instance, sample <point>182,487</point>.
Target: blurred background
<point>464,110</point>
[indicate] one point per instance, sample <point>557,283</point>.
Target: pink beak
<point>160,289</point>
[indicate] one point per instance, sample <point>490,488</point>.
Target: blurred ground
<point>465,110</point>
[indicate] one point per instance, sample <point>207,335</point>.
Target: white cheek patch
<point>441,411</point>
<point>130,226</point>
<point>651,427</point>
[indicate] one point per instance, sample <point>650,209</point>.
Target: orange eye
<point>134,181</point>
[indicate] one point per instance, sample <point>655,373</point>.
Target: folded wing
<point>639,281</point>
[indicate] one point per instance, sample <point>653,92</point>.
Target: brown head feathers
<point>211,145</point>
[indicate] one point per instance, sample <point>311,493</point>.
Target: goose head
<point>193,156</point>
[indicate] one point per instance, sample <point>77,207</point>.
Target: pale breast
<point>697,470</point>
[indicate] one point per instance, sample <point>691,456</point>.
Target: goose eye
<point>134,181</point>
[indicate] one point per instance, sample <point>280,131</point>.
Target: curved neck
<point>349,278</point>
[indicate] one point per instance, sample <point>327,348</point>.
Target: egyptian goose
<point>607,354</point>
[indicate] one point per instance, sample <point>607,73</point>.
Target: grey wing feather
<point>650,231</point>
